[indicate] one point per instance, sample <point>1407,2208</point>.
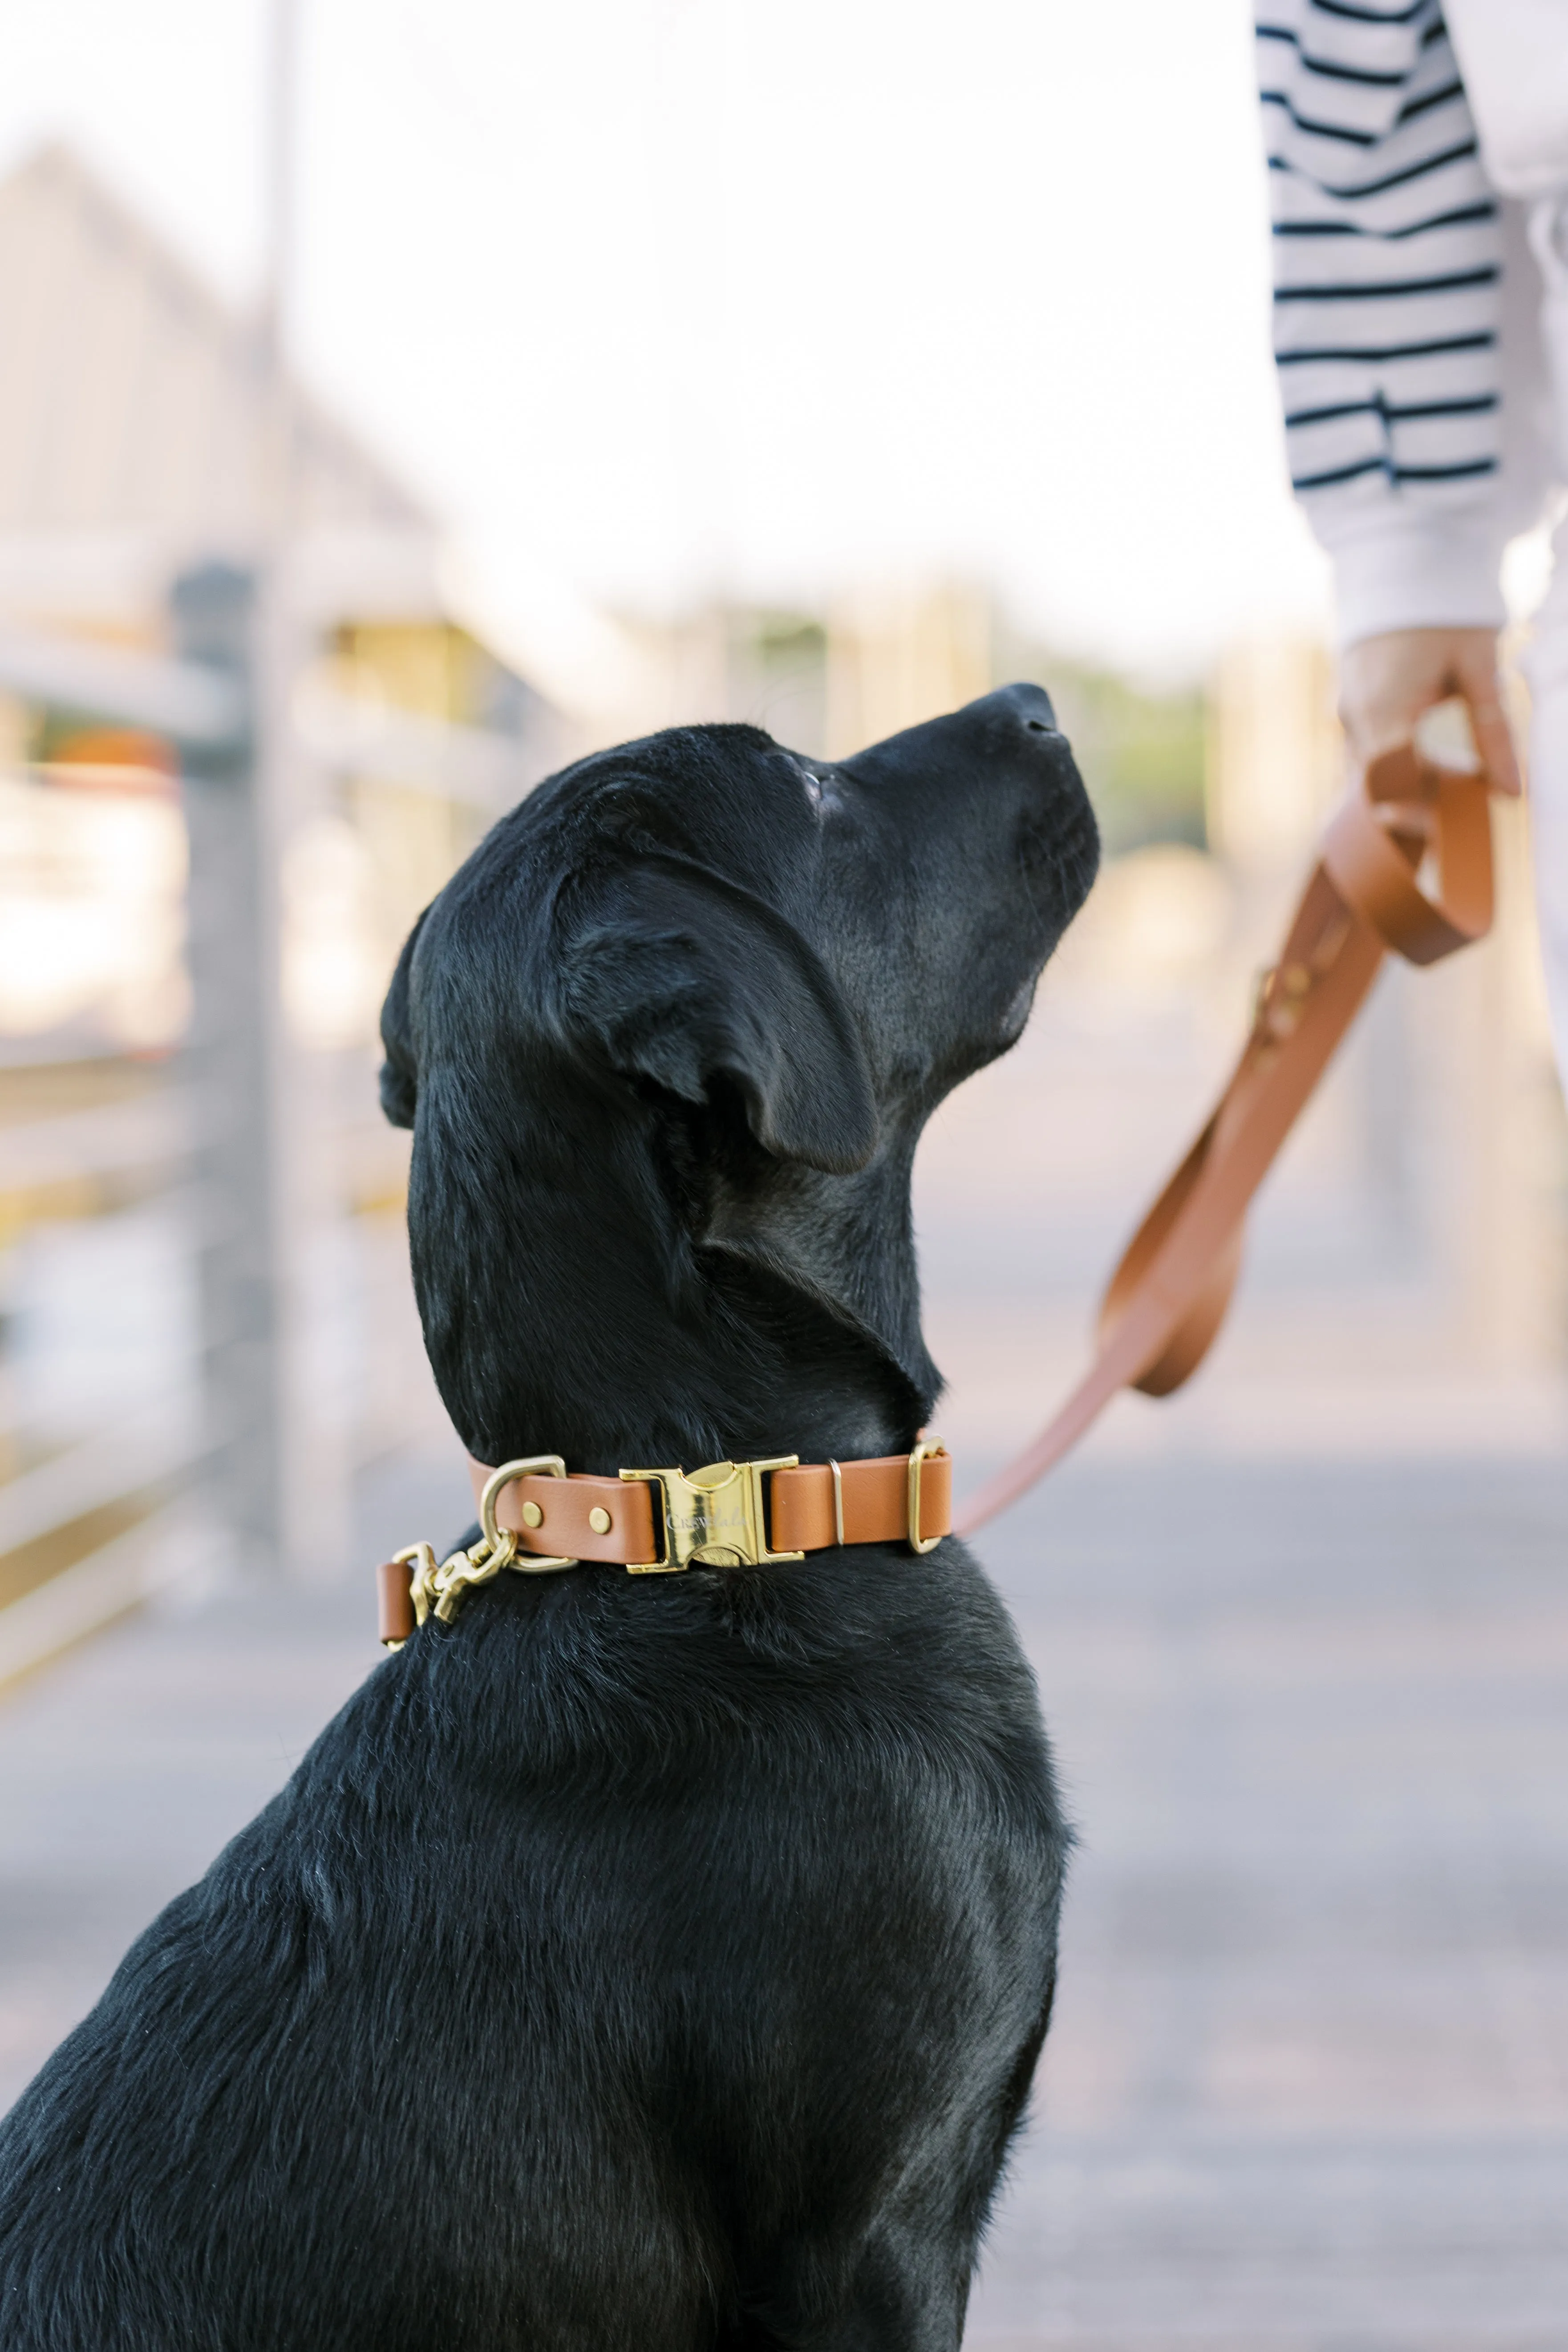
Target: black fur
<point>647,1963</point>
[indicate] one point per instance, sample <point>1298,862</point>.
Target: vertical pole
<point>313,1505</point>
<point>306,1206</point>
<point>232,952</point>
<point>264,1141</point>
<point>281,131</point>
<point>279,1460</point>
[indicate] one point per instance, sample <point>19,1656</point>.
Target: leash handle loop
<point>1376,841</point>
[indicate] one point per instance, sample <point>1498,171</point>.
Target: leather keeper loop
<point>395,1610</point>
<point>876,1502</point>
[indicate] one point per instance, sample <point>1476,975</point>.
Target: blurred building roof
<point>133,404</point>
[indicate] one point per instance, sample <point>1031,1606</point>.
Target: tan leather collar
<point>535,1518</point>
<point>720,1516</point>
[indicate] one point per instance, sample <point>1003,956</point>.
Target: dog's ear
<point>400,1071</point>
<point>681,977</point>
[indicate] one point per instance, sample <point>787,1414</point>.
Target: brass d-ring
<point>527,1466</point>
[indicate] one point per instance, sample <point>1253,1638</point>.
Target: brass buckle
<point>715,1519</point>
<point>918,1458</point>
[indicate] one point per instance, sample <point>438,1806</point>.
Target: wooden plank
<point>137,1451</point>
<point>110,1582</point>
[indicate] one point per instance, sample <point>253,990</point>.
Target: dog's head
<point>667,1043</point>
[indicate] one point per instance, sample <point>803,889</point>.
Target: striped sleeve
<point>1387,298</point>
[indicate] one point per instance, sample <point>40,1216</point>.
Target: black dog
<point>637,1964</point>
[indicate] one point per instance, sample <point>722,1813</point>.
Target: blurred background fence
<point>226,791</point>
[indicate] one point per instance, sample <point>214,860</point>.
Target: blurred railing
<point>240,1146</point>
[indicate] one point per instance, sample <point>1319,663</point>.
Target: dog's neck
<point>581,1298</point>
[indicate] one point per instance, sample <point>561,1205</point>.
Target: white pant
<point>1547,665</point>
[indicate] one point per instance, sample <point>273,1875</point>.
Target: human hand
<point>1387,681</point>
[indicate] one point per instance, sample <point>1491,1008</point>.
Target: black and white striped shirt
<point>1387,303</point>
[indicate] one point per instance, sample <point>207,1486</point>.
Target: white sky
<point>651,296</point>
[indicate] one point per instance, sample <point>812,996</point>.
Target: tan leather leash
<point>1168,1296</point>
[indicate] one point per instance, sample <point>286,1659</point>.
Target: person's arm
<point>1387,277</point>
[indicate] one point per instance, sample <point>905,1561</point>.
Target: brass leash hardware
<point>714,1518</point>
<point>475,1566</point>
<point>438,1591</point>
<point>421,1557</point>
<point>422,1584</point>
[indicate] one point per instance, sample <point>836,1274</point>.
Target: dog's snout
<point>1033,706</point>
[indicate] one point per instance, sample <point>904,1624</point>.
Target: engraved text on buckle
<point>715,1517</point>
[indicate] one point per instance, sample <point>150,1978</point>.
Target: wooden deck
<point>1306,2090</point>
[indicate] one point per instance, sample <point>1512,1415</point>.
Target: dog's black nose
<point>1033,705</point>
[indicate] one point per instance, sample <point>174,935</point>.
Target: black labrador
<point>636,1964</point>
